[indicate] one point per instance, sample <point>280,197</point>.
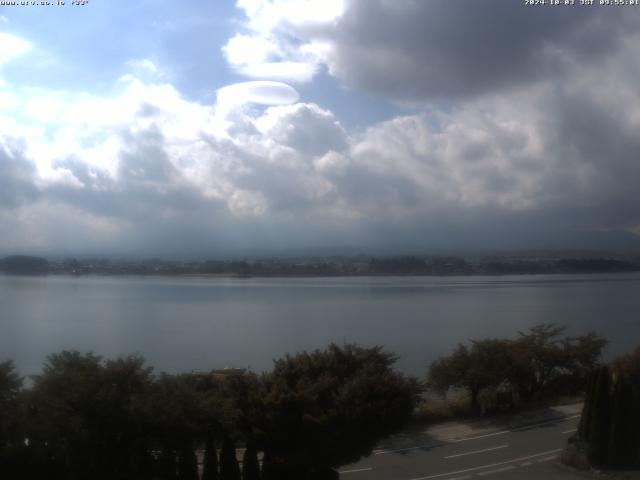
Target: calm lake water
<point>183,324</point>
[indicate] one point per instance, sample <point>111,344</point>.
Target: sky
<point>215,128</point>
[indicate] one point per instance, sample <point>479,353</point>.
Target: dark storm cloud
<point>17,175</point>
<point>416,50</point>
<point>603,143</point>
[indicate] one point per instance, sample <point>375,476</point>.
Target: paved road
<point>514,452</point>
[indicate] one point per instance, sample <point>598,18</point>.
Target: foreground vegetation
<point>609,431</point>
<point>89,418</point>
<point>85,417</point>
<point>538,365</point>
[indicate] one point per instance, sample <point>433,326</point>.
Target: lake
<point>197,323</point>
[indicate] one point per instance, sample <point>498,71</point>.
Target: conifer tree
<point>210,465</point>
<point>250,465</point>
<point>229,468</point>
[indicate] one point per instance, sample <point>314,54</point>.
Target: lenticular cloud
<point>260,92</point>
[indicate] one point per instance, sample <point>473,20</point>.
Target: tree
<point>167,465</point>
<point>537,353</point>
<point>176,411</point>
<point>250,465</point>
<point>10,386</point>
<point>210,463</point>
<point>545,363</point>
<point>12,433</point>
<point>329,408</point>
<point>538,363</point>
<point>187,463</point>
<point>449,371</point>
<point>609,430</point>
<point>486,364</point>
<point>89,416</point>
<point>629,365</point>
<point>229,468</point>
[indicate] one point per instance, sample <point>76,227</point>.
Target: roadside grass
<point>436,409</point>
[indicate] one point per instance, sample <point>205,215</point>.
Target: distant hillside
<point>24,265</point>
<point>323,267</point>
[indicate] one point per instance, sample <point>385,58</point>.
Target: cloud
<point>247,49</point>
<point>513,160</point>
<point>268,51</point>
<point>440,49</point>
<point>259,92</point>
<point>265,15</point>
<point>145,68</point>
<point>13,47</point>
<point>165,176</point>
<point>258,57</point>
<point>17,175</point>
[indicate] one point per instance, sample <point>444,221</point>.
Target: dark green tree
<point>546,364</point>
<point>176,411</point>
<point>329,408</point>
<point>90,416</point>
<point>609,430</point>
<point>187,463</point>
<point>210,463</point>
<point>250,464</point>
<point>539,363</point>
<point>12,432</point>
<point>538,353</point>
<point>487,364</point>
<point>10,387</point>
<point>229,468</point>
<point>167,465</point>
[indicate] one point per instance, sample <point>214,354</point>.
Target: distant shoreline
<point>358,266</point>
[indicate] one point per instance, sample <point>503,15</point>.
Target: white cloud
<point>259,92</point>
<point>273,49</point>
<point>143,64</point>
<point>290,71</point>
<point>249,49</point>
<point>145,68</point>
<point>12,47</point>
<point>265,15</point>
<point>260,57</point>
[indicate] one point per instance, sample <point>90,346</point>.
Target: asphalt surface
<point>525,451</point>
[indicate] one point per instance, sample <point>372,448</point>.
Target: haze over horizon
<point>257,126</point>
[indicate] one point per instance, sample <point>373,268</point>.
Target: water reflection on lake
<point>182,324</point>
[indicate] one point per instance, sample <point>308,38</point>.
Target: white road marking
<point>482,467</point>
<point>570,431</point>
<point>466,439</point>
<point>546,459</point>
<point>519,429</point>
<point>477,451</point>
<point>431,445</point>
<point>493,434</point>
<point>546,422</point>
<point>497,470</point>
<point>466,477</point>
<point>526,464</point>
<point>368,469</point>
